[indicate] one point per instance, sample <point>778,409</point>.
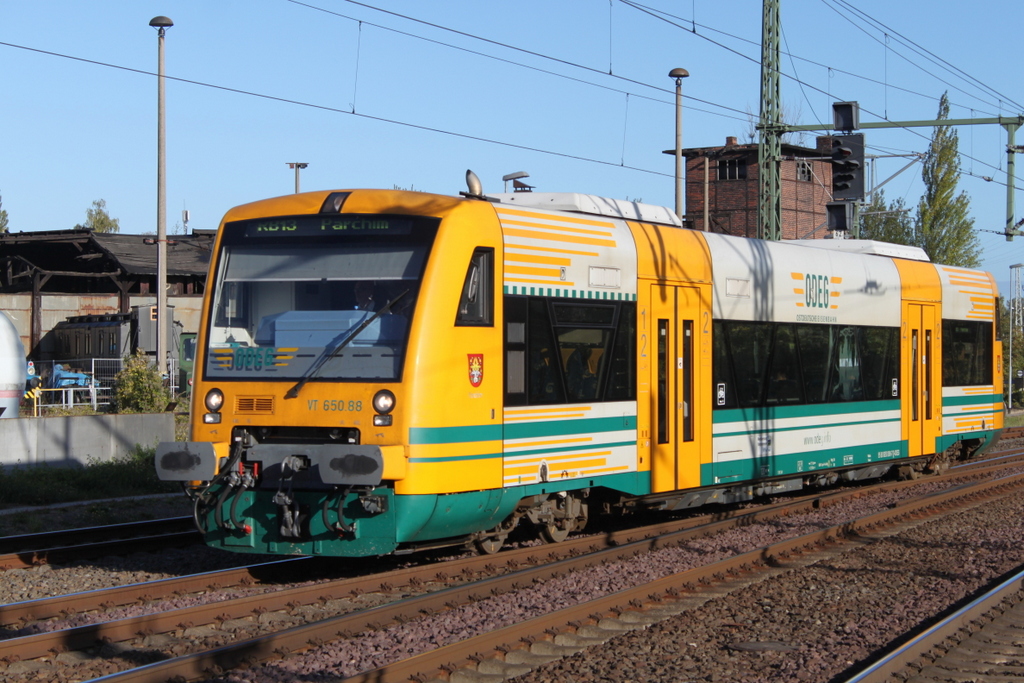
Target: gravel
<point>806,624</point>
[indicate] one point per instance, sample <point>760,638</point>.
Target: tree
<point>98,220</point>
<point>945,229</point>
<point>887,222</point>
<point>943,226</point>
<point>3,217</point>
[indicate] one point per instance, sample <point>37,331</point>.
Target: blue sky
<point>576,93</point>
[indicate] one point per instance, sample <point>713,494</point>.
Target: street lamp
<point>679,75</point>
<point>298,167</point>
<point>1015,323</point>
<point>161,24</point>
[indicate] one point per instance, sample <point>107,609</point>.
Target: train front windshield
<point>316,297</point>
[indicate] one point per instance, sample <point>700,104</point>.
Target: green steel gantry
<point>771,129</point>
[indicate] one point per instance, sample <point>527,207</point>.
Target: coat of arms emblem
<point>476,368</point>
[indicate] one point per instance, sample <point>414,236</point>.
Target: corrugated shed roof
<point>185,254</point>
<point>84,251</point>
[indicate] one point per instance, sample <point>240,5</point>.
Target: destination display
<point>319,225</point>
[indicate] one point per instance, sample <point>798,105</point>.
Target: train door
<point>675,312</point>
<point>921,391</point>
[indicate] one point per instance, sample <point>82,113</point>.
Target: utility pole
<point>679,75</point>
<point>1016,314</point>
<point>161,24</point>
<point>769,146</point>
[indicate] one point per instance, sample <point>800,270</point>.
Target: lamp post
<point>1016,312</point>
<point>679,75</point>
<point>161,24</point>
<point>298,167</point>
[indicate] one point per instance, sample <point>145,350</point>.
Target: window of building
<point>803,170</point>
<point>732,169</point>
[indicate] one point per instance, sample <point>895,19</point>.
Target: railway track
<point>572,556</point>
<point>266,573</point>
<point>981,641</point>
<point>338,591</point>
<point>115,539</point>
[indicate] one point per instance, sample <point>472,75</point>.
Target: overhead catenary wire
<point>483,138</point>
<point>336,110</point>
<point>931,55</point>
<point>908,60</point>
<point>515,48</point>
<point>788,53</point>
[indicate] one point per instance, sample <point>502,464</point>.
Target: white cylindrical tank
<point>12,367</point>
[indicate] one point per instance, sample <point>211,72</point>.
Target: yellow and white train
<point>380,371</point>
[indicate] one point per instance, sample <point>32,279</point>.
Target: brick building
<point>728,177</point>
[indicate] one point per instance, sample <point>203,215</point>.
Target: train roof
<point>650,213</point>
<point>856,246</point>
<point>592,204</point>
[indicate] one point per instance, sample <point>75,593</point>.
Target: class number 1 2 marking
<point>329,405</point>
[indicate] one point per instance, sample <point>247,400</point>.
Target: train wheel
<point>552,534</point>
<point>570,513</point>
<point>490,545</point>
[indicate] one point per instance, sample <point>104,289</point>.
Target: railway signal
<point>848,166</point>
<point>840,216</point>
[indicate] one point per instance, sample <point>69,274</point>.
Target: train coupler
<point>341,527</point>
<point>291,515</point>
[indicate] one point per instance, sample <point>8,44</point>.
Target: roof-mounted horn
<point>475,187</point>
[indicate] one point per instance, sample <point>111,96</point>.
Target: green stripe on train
<point>980,399</point>
<point>788,464</point>
<point>519,430</point>
<point>781,412</point>
<point>868,420</point>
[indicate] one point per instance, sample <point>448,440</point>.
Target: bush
<point>139,388</point>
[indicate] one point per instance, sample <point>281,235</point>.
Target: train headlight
<point>214,400</point>
<point>383,401</point>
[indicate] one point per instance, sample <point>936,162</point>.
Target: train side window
<point>966,353</point>
<point>724,387</point>
<point>784,378</point>
<point>879,362</point>
<point>545,380</point>
<point>622,370</point>
<point>516,308</point>
<point>814,342</point>
<point>476,304</point>
<point>846,381</point>
<point>750,344</point>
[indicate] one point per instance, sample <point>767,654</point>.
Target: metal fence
<point>86,382</point>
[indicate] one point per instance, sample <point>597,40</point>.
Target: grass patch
<point>1015,419</point>
<point>131,475</point>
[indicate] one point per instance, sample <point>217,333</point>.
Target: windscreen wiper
<point>332,349</point>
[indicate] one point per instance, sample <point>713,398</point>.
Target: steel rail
<point>61,538</point>
<point>882,670</point>
<point>147,591</point>
<point>496,643</point>
<point>107,598</point>
<point>124,546</point>
<point>301,637</point>
<point>659,535</point>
